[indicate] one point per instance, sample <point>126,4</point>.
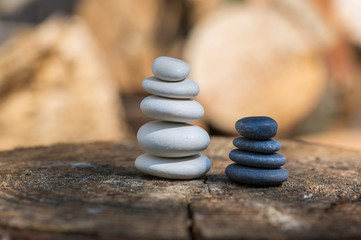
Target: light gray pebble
<point>170,69</point>
<point>170,139</point>
<point>186,88</point>
<point>173,110</point>
<point>174,168</point>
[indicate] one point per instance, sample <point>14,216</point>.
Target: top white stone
<point>170,69</point>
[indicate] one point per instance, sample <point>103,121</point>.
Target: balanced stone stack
<point>173,146</point>
<point>256,160</point>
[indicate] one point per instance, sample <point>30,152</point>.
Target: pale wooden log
<point>132,33</point>
<point>54,87</point>
<point>253,59</point>
<point>347,13</point>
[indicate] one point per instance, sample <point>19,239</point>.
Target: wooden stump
<point>93,191</point>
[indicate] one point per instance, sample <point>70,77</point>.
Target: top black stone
<point>258,128</point>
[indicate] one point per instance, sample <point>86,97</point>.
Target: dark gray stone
<point>259,146</point>
<point>261,160</point>
<point>256,176</point>
<point>259,128</point>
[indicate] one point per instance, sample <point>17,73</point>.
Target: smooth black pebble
<point>260,160</point>
<point>256,176</point>
<point>260,146</point>
<point>258,128</point>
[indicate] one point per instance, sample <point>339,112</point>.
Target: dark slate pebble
<point>274,160</point>
<point>259,146</point>
<point>259,128</point>
<point>256,176</point>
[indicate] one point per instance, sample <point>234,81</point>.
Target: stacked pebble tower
<point>173,146</point>
<point>256,160</point>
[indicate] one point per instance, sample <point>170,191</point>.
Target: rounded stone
<point>274,160</point>
<point>170,69</point>
<point>173,110</point>
<point>170,139</point>
<point>256,176</point>
<point>173,168</point>
<point>181,89</point>
<point>259,146</point>
<point>259,128</point>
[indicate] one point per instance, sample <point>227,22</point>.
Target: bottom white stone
<point>174,168</point>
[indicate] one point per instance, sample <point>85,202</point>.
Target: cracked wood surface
<point>93,191</point>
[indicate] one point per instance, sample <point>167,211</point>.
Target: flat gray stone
<point>256,176</point>
<point>259,146</point>
<point>183,89</point>
<point>170,69</point>
<point>261,160</point>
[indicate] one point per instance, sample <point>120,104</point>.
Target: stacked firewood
<point>55,88</point>
<point>70,80</point>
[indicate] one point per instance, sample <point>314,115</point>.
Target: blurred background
<point>71,71</point>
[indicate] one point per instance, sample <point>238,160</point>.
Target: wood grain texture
<point>93,191</point>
